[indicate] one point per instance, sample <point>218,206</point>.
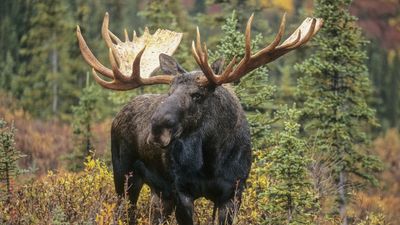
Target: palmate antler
<point>133,61</point>
<point>249,62</point>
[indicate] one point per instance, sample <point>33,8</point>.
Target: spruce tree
<point>14,17</point>
<point>334,86</point>
<point>44,83</point>
<point>84,115</point>
<point>9,157</point>
<point>291,198</point>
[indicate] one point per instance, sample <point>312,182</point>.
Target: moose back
<point>193,141</point>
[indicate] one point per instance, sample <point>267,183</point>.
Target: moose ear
<point>170,66</point>
<point>218,65</point>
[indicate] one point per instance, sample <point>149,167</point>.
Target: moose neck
<point>225,113</point>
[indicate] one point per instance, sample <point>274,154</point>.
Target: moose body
<point>208,156</point>
<point>194,141</point>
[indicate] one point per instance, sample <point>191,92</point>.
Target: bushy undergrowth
<point>46,143</point>
<point>88,197</point>
<point>63,198</point>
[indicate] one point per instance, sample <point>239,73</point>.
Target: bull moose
<point>193,141</point>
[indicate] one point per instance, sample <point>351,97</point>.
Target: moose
<point>193,141</point>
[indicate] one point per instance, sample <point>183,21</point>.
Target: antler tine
<point>247,53</point>
<point>208,72</point>
<point>196,56</point>
<point>318,25</point>
<point>103,83</point>
<point>291,43</point>
<point>126,35</point>
<point>107,34</point>
<point>135,76</point>
<point>137,79</point>
<point>105,31</point>
<point>114,37</point>
<point>118,75</point>
<point>90,58</point>
<point>198,43</point>
<point>114,84</point>
<point>201,56</point>
<point>309,33</point>
<point>277,38</point>
<point>229,68</point>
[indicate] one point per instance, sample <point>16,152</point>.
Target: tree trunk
<point>342,197</point>
<point>290,209</point>
<point>340,151</point>
<point>54,68</point>
<point>8,183</point>
<point>88,142</point>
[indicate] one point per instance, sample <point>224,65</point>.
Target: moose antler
<point>249,62</point>
<point>132,62</point>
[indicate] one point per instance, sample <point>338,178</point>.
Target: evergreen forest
<point>324,118</point>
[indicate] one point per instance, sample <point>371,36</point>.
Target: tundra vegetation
<point>323,120</point>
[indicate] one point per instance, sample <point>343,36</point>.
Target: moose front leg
<point>230,201</point>
<point>184,209</point>
<point>162,202</point>
<point>227,212</point>
<point>161,208</point>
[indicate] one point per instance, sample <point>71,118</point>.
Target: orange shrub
<point>46,142</point>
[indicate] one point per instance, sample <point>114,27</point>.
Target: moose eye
<point>197,96</point>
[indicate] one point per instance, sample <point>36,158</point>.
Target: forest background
<point>55,121</point>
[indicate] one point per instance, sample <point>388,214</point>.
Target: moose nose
<point>161,139</point>
<point>161,129</point>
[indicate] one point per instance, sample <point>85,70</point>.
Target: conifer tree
<point>291,198</point>
<point>9,157</point>
<point>44,83</point>
<point>159,15</point>
<point>334,86</point>
<point>83,119</point>
<point>14,16</point>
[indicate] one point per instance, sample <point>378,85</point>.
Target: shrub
<point>67,198</point>
<point>88,197</point>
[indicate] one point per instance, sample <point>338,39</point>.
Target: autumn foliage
<point>45,143</point>
<point>65,197</point>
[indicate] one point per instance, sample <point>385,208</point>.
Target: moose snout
<point>162,129</point>
<point>161,139</point>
